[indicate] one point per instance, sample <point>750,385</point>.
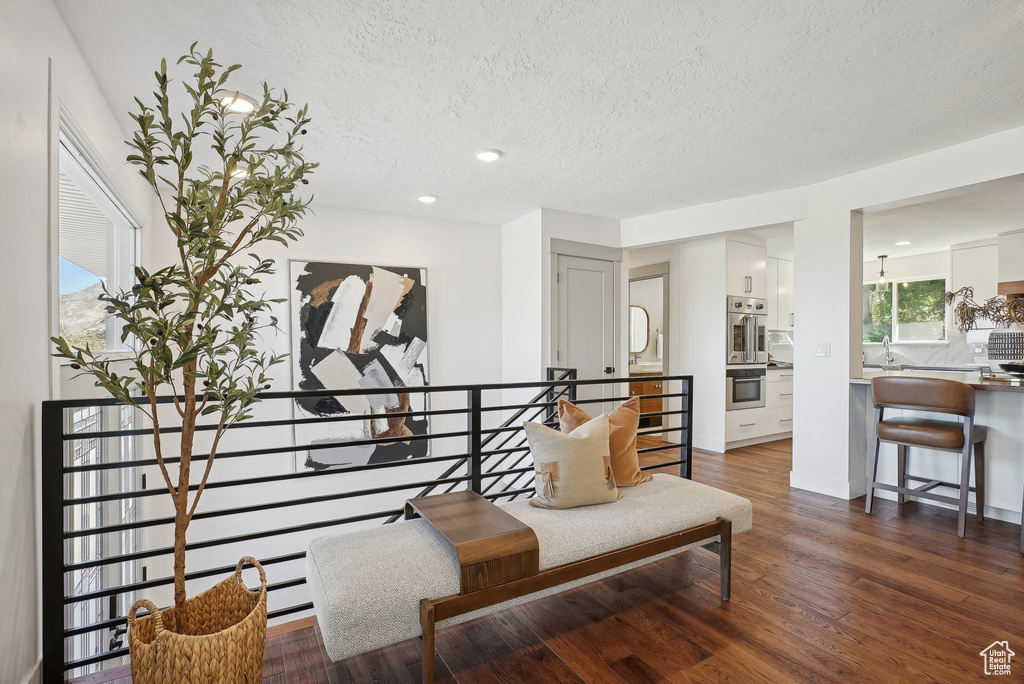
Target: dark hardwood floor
<point>821,592</point>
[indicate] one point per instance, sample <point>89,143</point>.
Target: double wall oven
<point>747,346</point>
<point>748,337</point>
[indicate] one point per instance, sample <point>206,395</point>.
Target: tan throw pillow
<point>572,470</point>
<point>623,422</point>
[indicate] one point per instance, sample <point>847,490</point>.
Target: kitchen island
<point>999,407</point>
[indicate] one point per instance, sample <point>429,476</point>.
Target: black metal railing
<point>270,503</point>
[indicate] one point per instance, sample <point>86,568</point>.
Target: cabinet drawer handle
<point>747,424</point>
<point>785,394</point>
<point>785,420</point>
<point>785,375</point>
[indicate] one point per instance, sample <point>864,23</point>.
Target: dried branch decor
<point>999,310</point>
<point>195,323</point>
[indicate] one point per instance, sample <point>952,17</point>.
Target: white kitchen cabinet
<point>773,293</point>
<point>759,423</point>
<point>746,270</point>
<point>785,295</point>
<point>779,394</point>
<point>1010,265</point>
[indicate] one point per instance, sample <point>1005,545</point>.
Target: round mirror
<point>639,329</point>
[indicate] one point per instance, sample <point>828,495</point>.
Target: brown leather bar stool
<point>938,396</point>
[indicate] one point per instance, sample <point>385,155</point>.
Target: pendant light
<point>883,284</point>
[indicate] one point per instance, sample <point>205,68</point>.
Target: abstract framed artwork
<point>354,326</point>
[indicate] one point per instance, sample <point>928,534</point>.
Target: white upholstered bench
<point>367,585</point>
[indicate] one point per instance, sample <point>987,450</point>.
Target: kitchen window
<point>911,310</point>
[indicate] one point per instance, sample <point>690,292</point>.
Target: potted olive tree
<point>228,171</point>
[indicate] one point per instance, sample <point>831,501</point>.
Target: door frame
<point>659,270</point>
<point>570,248</point>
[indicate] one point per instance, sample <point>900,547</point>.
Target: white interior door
<point>585,319</point>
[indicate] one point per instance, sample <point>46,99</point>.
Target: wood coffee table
<point>493,547</point>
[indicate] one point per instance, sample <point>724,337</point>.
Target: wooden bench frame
<point>434,610</point>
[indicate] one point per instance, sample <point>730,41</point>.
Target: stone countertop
<point>973,379</point>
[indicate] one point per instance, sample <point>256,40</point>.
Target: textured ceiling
<point>976,212</point>
<point>610,108</point>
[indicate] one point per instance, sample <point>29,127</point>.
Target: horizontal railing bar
<point>659,430</point>
<point>498,495</point>
<point>525,469</point>
<point>166,551</point>
<point>676,412</point>
<point>284,422</point>
<point>110,655</point>
<point>636,396</point>
<point>525,407</point>
<point>219,484</point>
<point>373,391</point>
<point>661,465</point>
<point>498,452</point>
<point>503,473</point>
<point>647,450</point>
<point>95,627</point>
<point>200,515</point>
<point>269,451</point>
<point>509,407</point>
<point>286,584</point>
<point>94,659</point>
<point>163,581</point>
<point>281,612</point>
<point>151,584</point>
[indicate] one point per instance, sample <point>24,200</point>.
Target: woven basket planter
<point>224,642</point>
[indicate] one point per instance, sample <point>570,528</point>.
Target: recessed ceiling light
<point>428,199</point>
<point>236,103</point>
<point>903,243</point>
<point>488,155</point>
<point>241,170</point>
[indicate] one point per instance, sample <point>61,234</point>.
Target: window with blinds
<point>96,249</point>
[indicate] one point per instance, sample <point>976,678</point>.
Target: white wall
<point>464,323</point>
<point>32,34</point>
<point>527,285</point>
<point>699,349</point>
<point>830,274</point>
<point>522,294</point>
<point>594,230</point>
<point>916,266</point>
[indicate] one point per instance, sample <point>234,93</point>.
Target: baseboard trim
<point>33,676</point>
<point>707,444</point>
<point>840,489</point>
<point>740,443</point>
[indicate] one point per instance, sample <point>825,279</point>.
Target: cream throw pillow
<point>572,469</point>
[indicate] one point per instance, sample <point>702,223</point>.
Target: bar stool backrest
<point>923,394</point>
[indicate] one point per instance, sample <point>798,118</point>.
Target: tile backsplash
<point>958,351</point>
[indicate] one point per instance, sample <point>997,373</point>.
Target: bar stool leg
<point>979,480</point>
<point>901,471</point>
<point>965,485</point>
<point>872,477</point>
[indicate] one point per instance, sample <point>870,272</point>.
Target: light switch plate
<point>823,349</point>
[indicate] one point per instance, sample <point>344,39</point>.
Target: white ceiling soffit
<point>934,223</point>
<point>611,108</point>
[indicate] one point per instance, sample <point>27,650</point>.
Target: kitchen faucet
<point>888,352</point>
